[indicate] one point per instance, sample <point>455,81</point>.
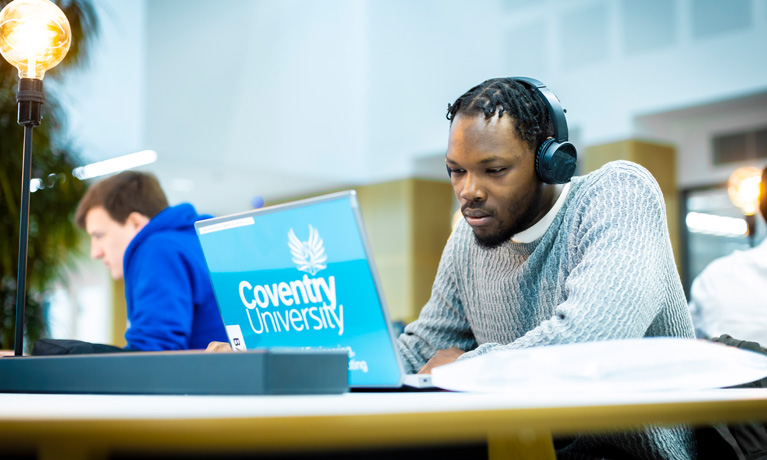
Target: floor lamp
<point>34,37</point>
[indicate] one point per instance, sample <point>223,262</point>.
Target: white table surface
<point>94,407</point>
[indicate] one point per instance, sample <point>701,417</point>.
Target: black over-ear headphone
<point>554,158</point>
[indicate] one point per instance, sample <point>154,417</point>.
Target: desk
<point>92,426</point>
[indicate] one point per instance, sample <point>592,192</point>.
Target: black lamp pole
<point>30,100</point>
<point>751,225</point>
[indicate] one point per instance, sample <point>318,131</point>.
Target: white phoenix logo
<point>309,256</point>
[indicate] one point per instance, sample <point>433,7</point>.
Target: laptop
<point>302,275</point>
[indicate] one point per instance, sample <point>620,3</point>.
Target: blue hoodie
<point>171,305</point>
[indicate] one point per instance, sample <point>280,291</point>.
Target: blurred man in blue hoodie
<point>154,248</point>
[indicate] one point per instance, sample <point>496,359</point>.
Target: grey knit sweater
<point>603,270</point>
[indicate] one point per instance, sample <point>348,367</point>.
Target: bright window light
<point>698,222</point>
<point>113,165</point>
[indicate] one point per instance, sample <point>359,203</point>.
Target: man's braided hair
<point>508,96</point>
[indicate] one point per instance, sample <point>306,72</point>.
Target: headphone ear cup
<point>555,162</point>
<point>540,154</point>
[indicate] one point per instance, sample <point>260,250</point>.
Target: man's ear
<point>137,221</point>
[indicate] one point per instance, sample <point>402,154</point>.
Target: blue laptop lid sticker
<point>299,277</point>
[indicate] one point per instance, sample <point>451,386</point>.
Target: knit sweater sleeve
<point>619,258</point>
<point>442,323</point>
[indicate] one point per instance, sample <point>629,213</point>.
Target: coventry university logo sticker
<point>309,256</point>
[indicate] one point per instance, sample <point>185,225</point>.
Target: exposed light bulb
<point>743,189</point>
<point>34,36</point>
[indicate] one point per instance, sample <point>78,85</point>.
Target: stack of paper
<point>651,364</point>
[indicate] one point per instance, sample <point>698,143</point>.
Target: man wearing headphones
<point>539,259</point>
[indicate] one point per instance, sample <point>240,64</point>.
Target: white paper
<point>651,364</point>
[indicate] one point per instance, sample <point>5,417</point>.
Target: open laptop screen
<point>300,275</point>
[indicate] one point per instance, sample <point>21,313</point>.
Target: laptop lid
<point>302,275</point>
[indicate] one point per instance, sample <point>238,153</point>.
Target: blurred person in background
<point>730,294</point>
<point>154,248</point>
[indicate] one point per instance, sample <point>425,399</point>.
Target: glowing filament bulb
<point>743,189</point>
<point>34,36</point>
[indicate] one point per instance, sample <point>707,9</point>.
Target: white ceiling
<point>283,98</point>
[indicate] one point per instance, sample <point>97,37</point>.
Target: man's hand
<point>218,346</point>
<point>441,358</point>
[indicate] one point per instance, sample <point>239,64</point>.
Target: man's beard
<point>520,222</point>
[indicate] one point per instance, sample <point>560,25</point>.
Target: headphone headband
<point>556,111</point>
<point>554,158</point>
